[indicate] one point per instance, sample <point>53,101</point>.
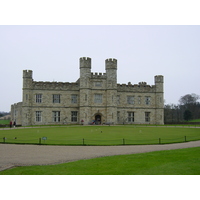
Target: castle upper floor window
<point>56,98</point>
<point>38,98</point>
<point>97,84</point>
<point>74,98</point>
<point>147,100</point>
<point>98,98</point>
<point>130,99</point>
<point>139,100</point>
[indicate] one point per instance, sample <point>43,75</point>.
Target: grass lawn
<point>4,121</point>
<point>195,120</point>
<point>100,135</point>
<point>170,162</point>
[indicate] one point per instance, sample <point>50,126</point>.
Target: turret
<point>159,80</point>
<point>159,100</point>
<point>111,92</point>
<point>27,78</point>
<point>111,63</point>
<point>85,72</point>
<point>111,71</point>
<point>85,62</point>
<point>85,93</point>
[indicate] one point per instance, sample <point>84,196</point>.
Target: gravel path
<point>24,155</point>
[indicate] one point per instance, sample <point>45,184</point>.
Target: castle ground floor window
<point>118,116</point>
<point>56,116</point>
<point>38,116</point>
<point>130,116</point>
<point>147,116</point>
<point>74,116</point>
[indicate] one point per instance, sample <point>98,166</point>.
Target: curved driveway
<point>23,155</point>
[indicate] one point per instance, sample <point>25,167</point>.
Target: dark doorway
<point>98,119</point>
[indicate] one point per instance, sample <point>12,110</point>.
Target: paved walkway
<point>24,155</point>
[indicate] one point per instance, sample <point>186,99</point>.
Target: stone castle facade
<point>95,98</point>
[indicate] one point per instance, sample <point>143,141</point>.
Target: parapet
<point>27,73</point>
<point>111,63</point>
<point>140,87</point>
<point>55,85</point>
<point>159,79</point>
<point>142,83</point>
<point>98,75</point>
<point>85,62</point>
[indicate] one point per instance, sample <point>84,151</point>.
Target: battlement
<point>142,83</point>
<point>111,60</point>
<point>85,58</point>
<point>141,87</point>
<point>85,62</point>
<point>159,79</point>
<point>111,63</point>
<point>27,73</point>
<point>39,85</point>
<point>98,75</point>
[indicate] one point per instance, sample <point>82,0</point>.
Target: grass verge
<point>169,162</point>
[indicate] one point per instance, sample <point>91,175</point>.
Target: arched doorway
<point>98,119</point>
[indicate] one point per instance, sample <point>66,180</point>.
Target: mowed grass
<point>169,162</point>
<point>195,120</point>
<point>4,121</point>
<point>100,135</point>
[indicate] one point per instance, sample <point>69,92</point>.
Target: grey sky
<point>53,53</point>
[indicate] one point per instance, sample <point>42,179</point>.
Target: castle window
<point>139,100</point>
<point>98,98</point>
<point>118,116</point>
<point>56,98</point>
<point>74,98</point>
<point>38,116</point>
<point>118,99</point>
<point>130,116</point>
<point>147,100</point>
<point>147,116</point>
<point>98,84</point>
<point>130,99</point>
<point>56,116</point>
<point>38,98</point>
<point>74,116</point>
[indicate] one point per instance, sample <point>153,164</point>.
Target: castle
<point>95,98</point>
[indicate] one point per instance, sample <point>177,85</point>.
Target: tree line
<point>187,109</point>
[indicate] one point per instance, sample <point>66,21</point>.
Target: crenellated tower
<point>111,104</point>
<point>111,71</point>
<point>27,97</point>
<point>159,100</point>
<point>27,78</point>
<point>85,92</point>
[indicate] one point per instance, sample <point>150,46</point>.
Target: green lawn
<point>195,120</point>
<point>100,135</point>
<point>4,122</point>
<point>169,162</point>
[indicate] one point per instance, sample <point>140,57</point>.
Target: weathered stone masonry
<point>93,98</point>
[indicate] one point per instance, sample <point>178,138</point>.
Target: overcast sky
<point>53,53</point>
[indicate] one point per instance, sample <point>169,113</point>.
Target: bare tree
<point>189,99</point>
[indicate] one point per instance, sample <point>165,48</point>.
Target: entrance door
<point>98,119</point>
